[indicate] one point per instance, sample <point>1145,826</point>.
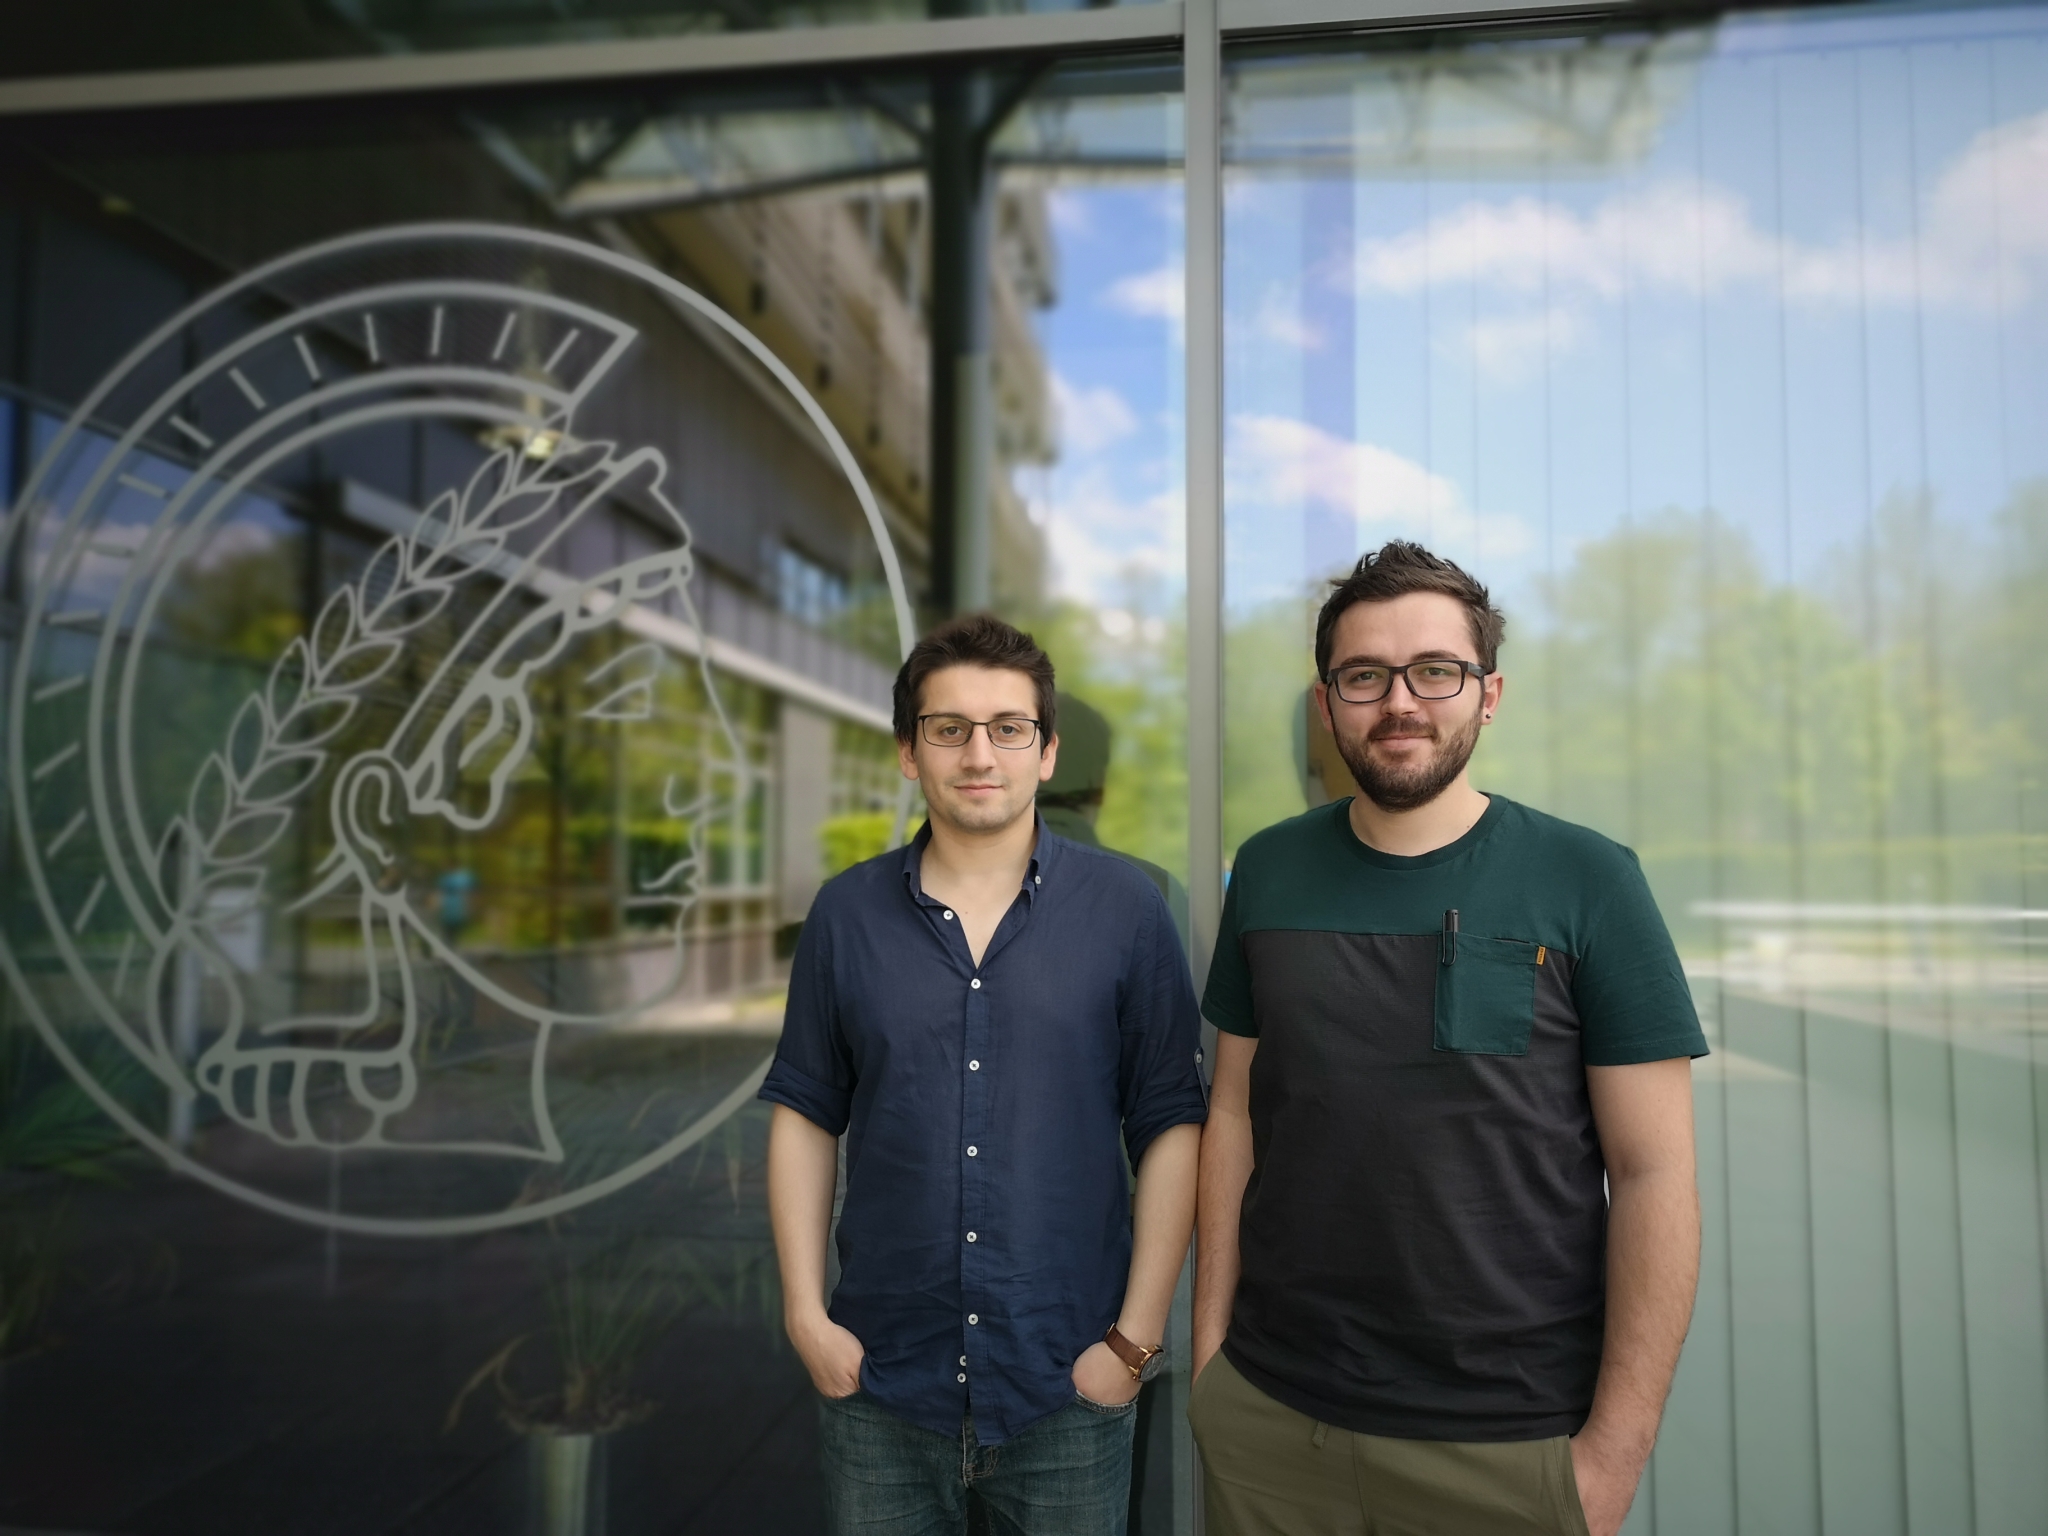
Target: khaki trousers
<point>1269,1471</point>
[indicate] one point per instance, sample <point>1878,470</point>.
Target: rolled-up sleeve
<point>1160,1071</point>
<point>813,1070</point>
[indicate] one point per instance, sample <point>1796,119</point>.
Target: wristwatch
<point>1145,1360</point>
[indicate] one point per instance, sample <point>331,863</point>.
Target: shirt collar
<point>1045,853</point>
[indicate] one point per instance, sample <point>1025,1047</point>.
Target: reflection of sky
<point>1824,285</point>
<point>126,515</point>
<point>1111,504</point>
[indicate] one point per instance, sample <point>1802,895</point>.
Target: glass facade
<point>1718,352</point>
<point>459,565</point>
<point>460,549</point>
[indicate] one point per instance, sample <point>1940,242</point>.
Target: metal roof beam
<point>878,44</point>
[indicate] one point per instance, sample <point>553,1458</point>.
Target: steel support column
<point>962,202</point>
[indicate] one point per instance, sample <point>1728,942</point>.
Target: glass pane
<point>1092,160</point>
<point>1718,352</point>
<point>444,660</point>
<point>97,36</point>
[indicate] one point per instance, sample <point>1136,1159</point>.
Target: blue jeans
<point>1067,1475</point>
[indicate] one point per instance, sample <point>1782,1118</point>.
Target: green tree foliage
<point>1137,679</point>
<point>1871,731</point>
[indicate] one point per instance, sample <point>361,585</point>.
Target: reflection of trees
<point>244,603</point>
<point>1138,682</point>
<point>1872,733</point>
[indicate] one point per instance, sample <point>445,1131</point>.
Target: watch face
<point>1154,1364</point>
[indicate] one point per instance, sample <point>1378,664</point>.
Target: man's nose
<point>1391,703</point>
<point>980,751</point>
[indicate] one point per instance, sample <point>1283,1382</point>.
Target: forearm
<point>1226,1168</point>
<point>803,1170</point>
<point>1653,1255</point>
<point>1162,1217</point>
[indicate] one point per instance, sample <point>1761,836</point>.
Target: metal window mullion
<point>1203,106</point>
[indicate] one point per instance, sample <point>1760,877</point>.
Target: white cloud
<point>1101,539</point>
<point>1160,294</point>
<point>1279,318</point>
<point>1277,460</point>
<point>228,542</point>
<point>1069,212</point>
<point>1983,238</point>
<point>1509,347</point>
<point>1092,417</point>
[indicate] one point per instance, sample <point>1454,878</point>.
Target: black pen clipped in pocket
<point>1447,947</point>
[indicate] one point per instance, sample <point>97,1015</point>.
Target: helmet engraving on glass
<point>423,704</point>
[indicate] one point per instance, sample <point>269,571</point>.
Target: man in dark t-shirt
<point>1449,1230</point>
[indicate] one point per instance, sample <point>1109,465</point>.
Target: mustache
<point>1402,725</point>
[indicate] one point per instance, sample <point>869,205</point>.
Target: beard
<point>1409,788</point>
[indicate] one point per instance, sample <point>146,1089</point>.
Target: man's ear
<point>1490,694</point>
<point>906,757</point>
<point>1048,758</point>
<point>1321,690</point>
<point>369,801</point>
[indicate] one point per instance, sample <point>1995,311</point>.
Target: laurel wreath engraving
<point>210,861</point>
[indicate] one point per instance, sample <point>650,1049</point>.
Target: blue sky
<point>1111,505</point>
<point>1817,281</point>
<point>1812,277</point>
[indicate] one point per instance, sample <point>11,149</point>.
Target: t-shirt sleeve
<point>813,1069</point>
<point>1633,999</point>
<point>1160,1074</point>
<point>1227,999</point>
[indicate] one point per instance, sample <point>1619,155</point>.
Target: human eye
<point>1363,677</point>
<point>1010,732</point>
<point>1439,671</point>
<point>947,730</point>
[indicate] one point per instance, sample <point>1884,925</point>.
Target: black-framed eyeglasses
<point>1013,733</point>
<point>1367,682</point>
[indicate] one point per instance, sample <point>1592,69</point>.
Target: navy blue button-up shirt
<point>987,1214</point>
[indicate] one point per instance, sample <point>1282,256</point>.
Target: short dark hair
<point>1396,569</point>
<point>977,640</point>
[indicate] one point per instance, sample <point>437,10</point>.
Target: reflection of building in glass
<point>788,585</point>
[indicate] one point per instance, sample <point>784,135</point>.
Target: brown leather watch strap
<point>1133,1356</point>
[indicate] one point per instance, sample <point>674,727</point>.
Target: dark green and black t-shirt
<point>1424,1233</point>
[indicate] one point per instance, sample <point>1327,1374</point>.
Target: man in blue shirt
<point>993,1017</point>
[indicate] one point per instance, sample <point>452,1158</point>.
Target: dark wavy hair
<point>1396,569</point>
<point>976,640</point>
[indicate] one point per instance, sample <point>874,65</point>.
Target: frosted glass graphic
<point>259,887</point>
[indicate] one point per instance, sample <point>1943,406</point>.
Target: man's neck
<point>1425,829</point>
<point>957,858</point>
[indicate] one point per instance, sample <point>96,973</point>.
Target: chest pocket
<point>1486,996</point>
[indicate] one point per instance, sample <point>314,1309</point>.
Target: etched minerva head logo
<point>179,822</point>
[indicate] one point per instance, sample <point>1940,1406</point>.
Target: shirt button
<point>974,1066</point>
<point>963,1375</point>
<point>1037,880</point>
<point>974,1151</point>
<point>949,914</point>
<point>963,1359</point>
<point>976,983</point>
<point>973,1319</point>
<point>970,1237</point>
